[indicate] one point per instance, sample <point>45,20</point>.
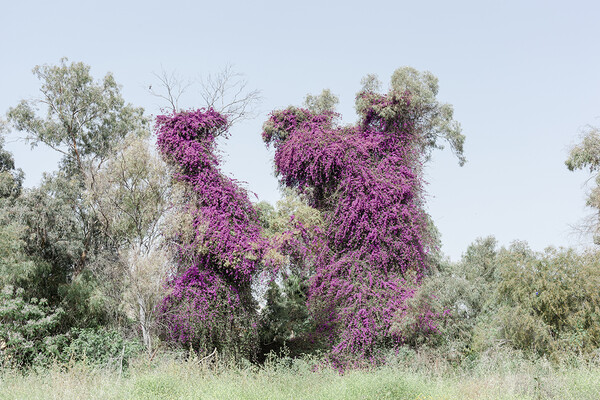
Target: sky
<point>523,77</point>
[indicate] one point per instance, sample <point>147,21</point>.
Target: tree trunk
<point>144,325</point>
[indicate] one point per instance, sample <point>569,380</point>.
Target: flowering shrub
<point>365,181</point>
<point>210,305</point>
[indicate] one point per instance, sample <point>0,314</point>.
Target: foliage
<point>29,336</point>
<point>292,228</point>
<point>461,293</point>
<point>550,301</point>
<point>11,179</point>
<point>129,195</point>
<point>210,304</point>
<point>27,328</point>
<point>285,320</point>
<point>430,119</point>
<point>365,180</point>
<point>587,155</point>
<point>541,303</point>
<point>84,119</point>
<point>61,248</point>
<point>15,265</point>
<point>323,103</point>
<point>99,347</point>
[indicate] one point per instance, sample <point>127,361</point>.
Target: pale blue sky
<point>523,76</point>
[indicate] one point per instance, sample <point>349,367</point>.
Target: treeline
<point>133,247</point>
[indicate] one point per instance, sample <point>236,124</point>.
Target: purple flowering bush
<point>365,180</point>
<point>210,304</point>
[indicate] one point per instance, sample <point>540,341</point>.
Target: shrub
<point>459,293</point>
<point>27,328</point>
<point>99,347</point>
<point>551,300</point>
<point>285,320</point>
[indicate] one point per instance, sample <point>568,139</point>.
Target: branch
<point>226,93</point>
<point>171,87</point>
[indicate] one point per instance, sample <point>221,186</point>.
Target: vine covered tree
<point>219,247</point>
<point>365,179</point>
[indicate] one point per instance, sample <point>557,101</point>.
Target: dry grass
<point>172,378</point>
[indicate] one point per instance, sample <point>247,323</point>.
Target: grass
<point>172,378</point>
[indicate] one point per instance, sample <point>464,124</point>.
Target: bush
<point>27,328</point>
<point>99,347</point>
<point>550,301</point>
<point>541,303</point>
<point>29,336</point>
<point>285,321</point>
<point>458,294</point>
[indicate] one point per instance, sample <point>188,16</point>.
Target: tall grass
<point>416,376</point>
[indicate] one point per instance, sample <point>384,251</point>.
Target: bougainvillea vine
<point>210,304</point>
<point>365,180</point>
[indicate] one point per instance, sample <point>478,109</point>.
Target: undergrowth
<point>407,375</point>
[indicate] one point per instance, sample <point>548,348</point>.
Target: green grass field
<point>169,378</point>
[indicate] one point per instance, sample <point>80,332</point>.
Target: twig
<point>208,356</point>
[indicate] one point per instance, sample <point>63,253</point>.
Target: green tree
<point>129,194</point>
<point>586,155</point>
<point>433,120</point>
<point>324,102</point>
<point>549,302</point>
<point>15,265</point>
<point>284,318</point>
<point>11,178</point>
<point>462,291</point>
<point>84,120</point>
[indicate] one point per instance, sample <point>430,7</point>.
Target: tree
<point>366,181</point>
<point>11,179</point>
<point>324,102</point>
<point>84,120</point>
<point>430,119</point>
<point>547,301</point>
<point>129,194</point>
<point>15,265</point>
<point>292,228</point>
<point>586,155</point>
<point>459,291</point>
<point>210,305</point>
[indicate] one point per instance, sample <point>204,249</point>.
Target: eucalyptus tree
<point>84,120</point>
<point>129,195</point>
<point>14,263</point>
<point>11,178</point>
<point>586,155</point>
